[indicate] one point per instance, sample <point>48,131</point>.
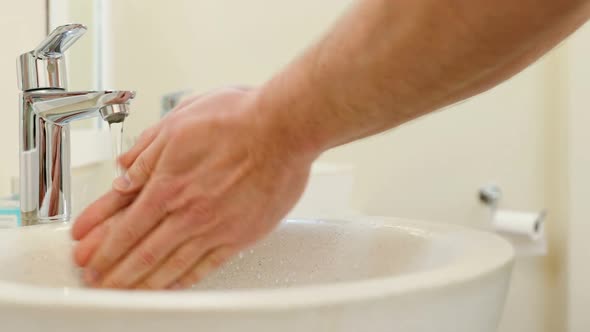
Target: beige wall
<point>428,169</point>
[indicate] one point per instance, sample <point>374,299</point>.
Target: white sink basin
<point>364,275</point>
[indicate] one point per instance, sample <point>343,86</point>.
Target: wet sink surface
<point>298,253</point>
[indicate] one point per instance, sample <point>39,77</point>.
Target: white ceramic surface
<point>369,274</point>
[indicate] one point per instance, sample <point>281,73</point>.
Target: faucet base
<point>31,218</point>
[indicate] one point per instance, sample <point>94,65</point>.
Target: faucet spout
<point>64,107</point>
<point>45,145</point>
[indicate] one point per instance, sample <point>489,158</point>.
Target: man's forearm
<point>387,62</point>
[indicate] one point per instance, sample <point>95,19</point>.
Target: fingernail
<point>91,276</point>
<point>122,182</point>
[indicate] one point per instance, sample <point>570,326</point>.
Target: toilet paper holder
<point>520,224</point>
<point>490,195</point>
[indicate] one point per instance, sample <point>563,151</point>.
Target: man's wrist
<point>285,122</point>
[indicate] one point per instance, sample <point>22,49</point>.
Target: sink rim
<point>470,266</point>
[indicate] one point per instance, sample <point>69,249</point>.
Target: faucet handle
<point>45,66</point>
<point>59,40</point>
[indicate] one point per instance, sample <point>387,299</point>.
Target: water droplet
<point>241,255</point>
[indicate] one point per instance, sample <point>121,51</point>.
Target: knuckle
<point>180,263</point>
<point>199,218</point>
<point>186,256</point>
<point>183,224</point>
<point>202,209</point>
<point>100,260</point>
<point>127,234</point>
<point>141,168</point>
<point>161,207</point>
<point>165,196</point>
<point>168,186</point>
<point>146,257</point>
<point>217,258</point>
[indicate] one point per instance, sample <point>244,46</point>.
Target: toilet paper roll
<point>529,224</point>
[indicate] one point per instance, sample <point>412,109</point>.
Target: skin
<point>221,171</point>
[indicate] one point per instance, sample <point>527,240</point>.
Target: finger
<point>85,248</point>
<point>99,211</point>
<point>150,252</point>
<point>181,260</point>
<point>91,276</point>
<point>145,139</point>
<point>155,201</point>
<point>141,169</point>
<point>213,260</point>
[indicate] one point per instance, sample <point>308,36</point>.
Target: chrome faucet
<point>46,109</point>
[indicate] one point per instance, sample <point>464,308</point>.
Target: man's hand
<point>208,180</point>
